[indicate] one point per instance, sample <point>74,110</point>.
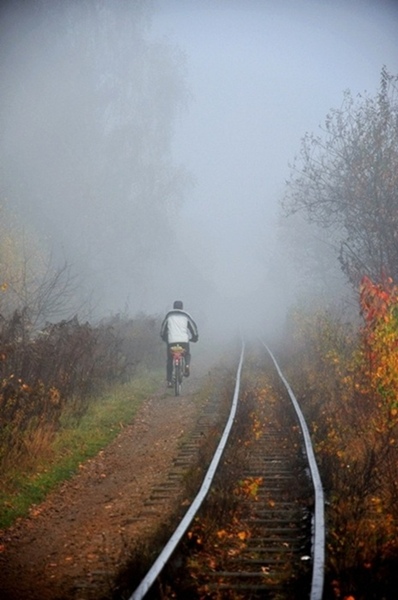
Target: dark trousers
<point>187,356</point>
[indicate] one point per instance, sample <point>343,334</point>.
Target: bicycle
<point>178,358</point>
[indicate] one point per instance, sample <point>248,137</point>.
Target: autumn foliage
<point>379,306</point>
<point>347,381</point>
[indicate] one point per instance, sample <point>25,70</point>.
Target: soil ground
<point>72,545</point>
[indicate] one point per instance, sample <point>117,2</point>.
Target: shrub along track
<point>79,542</point>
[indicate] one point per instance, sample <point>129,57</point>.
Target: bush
<point>345,379</point>
<point>61,367</point>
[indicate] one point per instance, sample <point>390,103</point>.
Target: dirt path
<point>71,546</point>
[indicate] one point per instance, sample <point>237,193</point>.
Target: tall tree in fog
<point>346,180</point>
<point>307,254</point>
<point>87,114</point>
<point>32,288</point>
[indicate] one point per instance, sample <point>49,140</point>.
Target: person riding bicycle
<point>178,327</point>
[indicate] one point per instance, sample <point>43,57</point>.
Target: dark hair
<point>178,304</point>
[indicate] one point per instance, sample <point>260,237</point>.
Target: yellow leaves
<point>380,342</point>
<point>333,357</point>
<point>349,388</point>
<point>256,427</point>
<point>377,504</point>
<point>54,395</point>
<point>4,287</point>
<point>249,486</point>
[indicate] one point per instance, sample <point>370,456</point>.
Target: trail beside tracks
<point>74,545</point>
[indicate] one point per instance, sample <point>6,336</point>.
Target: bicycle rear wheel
<point>177,378</point>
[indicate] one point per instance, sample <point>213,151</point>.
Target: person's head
<point>178,304</point>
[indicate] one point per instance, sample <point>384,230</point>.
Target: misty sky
<point>259,74</point>
<point>262,73</point>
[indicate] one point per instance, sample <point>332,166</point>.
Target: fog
<point>164,182</point>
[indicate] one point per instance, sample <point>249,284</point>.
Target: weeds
<point>27,482</point>
<point>62,397</point>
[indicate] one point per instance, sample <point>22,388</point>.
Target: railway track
<point>255,527</point>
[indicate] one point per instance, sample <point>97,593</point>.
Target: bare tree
<point>346,180</point>
<point>33,285</point>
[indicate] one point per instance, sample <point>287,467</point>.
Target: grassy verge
<point>75,442</point>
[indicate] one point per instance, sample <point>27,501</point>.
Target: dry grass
<point>45,456</point>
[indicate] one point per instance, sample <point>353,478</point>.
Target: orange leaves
<point>375,299</point>
<point>221,534</point>
<point>241,535</point>
<point>348,382</point>
<point>213,547</point>
<point>249,486</point>
<point>379,305</point>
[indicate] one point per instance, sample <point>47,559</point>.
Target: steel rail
<point>176,537</point>
<point>319,516</point>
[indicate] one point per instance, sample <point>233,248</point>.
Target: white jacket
<point>178,326</point>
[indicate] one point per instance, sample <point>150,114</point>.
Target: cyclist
<point>178,327</point>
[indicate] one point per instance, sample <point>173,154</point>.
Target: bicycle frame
<point>178,360</point>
